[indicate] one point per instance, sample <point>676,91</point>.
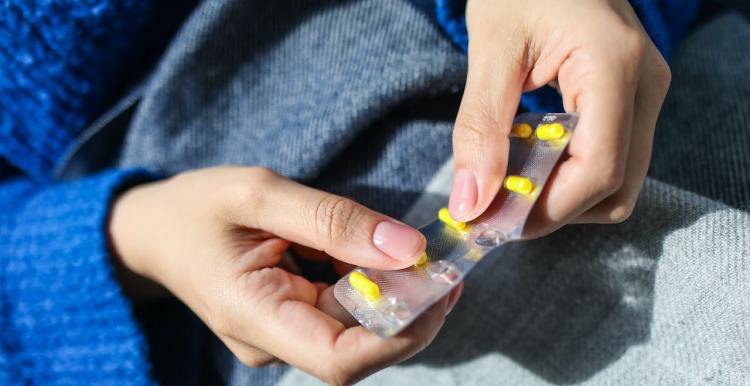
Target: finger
<point>268,253</point>
<point>603,92</point>
<point>278,363</point>
<point>480,136</point>
<point>320,286</point>
<point>248,355</point>
<point>329,305</point>
<point>335,225</point>
<point>341,355</point>
<point>454,296</point>
<point>311,254</point>
<point>341,268</point>
<point>650,96</point>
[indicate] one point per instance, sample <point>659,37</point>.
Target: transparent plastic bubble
<point>489,238</point>
<point>444,270</point>
<point>396,311</point>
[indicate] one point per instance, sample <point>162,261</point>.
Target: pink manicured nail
<point>398,241</point>
<point>464,194</point>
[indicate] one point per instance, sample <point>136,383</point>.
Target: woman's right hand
<point>214,238</point>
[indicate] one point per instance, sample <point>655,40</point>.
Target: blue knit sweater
<point>63,316</point>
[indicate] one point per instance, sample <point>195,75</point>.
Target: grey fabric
<point>663,298</point>
<point>703,141</point>
<point>333,93</point>
<point>358,98</point>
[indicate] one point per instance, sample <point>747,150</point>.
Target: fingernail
<point>464,194</point>
<point>398,241</point>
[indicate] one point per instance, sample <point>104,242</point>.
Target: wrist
<point>126,226</point>
<point>126,230</point>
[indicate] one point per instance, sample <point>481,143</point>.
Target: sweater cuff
<point>66,317</point>
<point>665,21</point>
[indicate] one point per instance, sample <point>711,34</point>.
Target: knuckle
<point>334,218</point>
<point>634,42</point>
<point>219,324</point>
<point>268,282</point>
<point>622,210</point>
<point>611,179</point>
<point>336,376</point>
<point>246,185</point>
<point>255,360</point>
<point>472,128</point>
<point>662,74</point>
<point>261,174</point>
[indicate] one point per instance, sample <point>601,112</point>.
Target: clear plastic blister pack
<point>386,302</point>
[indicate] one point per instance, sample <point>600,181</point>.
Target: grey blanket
<point>663,298</point>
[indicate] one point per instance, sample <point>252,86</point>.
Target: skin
<point>215,238</point>
<point>607,69</point>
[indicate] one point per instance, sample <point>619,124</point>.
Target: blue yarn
<point>63,317</point>
<point>60,63</point>
<point>665,20</point>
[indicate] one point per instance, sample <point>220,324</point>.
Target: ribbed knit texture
<point>665,20</point>
<point>64,318</point>
<point>60,62</point>
<point>706,92</point>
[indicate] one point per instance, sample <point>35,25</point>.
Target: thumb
<point>336,225</point>
<point>480,136</point>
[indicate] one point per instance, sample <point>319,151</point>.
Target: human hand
<point>214,238</point>
<point>600,58</point>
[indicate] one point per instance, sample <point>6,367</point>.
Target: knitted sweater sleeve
<point>665,20</point>
<point>63,316</point>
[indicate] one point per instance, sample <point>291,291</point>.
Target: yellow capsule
<point>445,216</point>
<point>521,130</point>
<point>550,131</point>
<point>423,260</point>
<point>519,184</point>
<point>366,287</point>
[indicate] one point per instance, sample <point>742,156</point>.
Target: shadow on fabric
<point>567,305</point>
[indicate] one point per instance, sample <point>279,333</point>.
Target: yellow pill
<point>550,131</point>
<point>521,130</point>
<point>519,184</point>
<point>366,287</point>
<point>423,260</point>
<point>445,216</point>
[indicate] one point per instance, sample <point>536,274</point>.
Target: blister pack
<point>386,302</point>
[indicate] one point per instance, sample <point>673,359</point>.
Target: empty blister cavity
<point>385,302</point>
<point>490,238</point>
<point>444,270</point>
